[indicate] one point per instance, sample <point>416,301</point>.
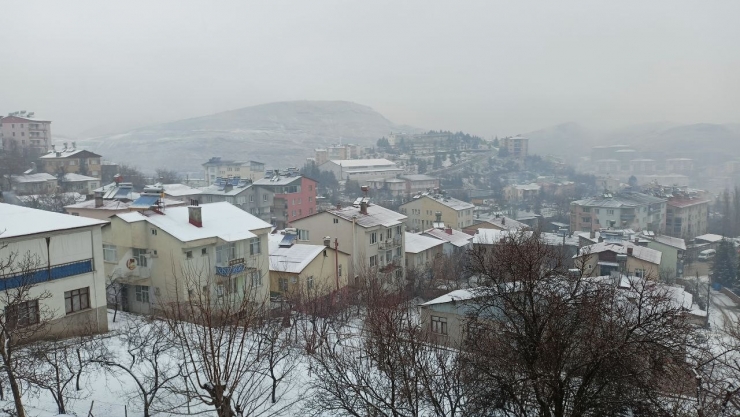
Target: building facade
<point>58,260</point>
<point>626,210</point>
<point>686,217</point>
<point>361,170</point>
<point>22,132</point>
<point>518,146</point>
<point>422,212</point>
<point>71,160</point>
<point>294,197</point>
<point>217,167</point>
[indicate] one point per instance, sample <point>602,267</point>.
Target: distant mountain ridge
<point>280,134</point>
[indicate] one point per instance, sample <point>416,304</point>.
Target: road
<point>722,310</point>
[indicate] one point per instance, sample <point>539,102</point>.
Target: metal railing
<point>39,275</point>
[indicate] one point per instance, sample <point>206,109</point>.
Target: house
<point>298,270</point>
<point>625,257</point>
<point>221,168</point>
<point>489,237</point>
<point>446,317</point>
<point>673,250</point>
<point>426,209</point>
<point>337,152</point>
<point>70,160</point>
<point>394,186</point>
<point>419,183</point>
<point>522,192</point>
<point>180,192</point>
<point>361,170</point>
<point>23,132</point>
<point>371,234</point>
<point>422,250</point>
<point>40,183</point>
<point>627,210</point>
<point>454,241</point>
<point>293,196</point>
<point>497,222</point>
<point>83,184</point>
<point>159,256</point>
<point>65,279</point>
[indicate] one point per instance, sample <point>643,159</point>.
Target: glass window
<point>373,238</point>
<point>140,256</point>
<point>109,253</point>
<point>225,253</point>
<point>142,293</point>
<point>22,314</point>
<point>255,278</point>
<point>254,246</point>
<point>77,300</point>
<point>439,325</point>
<point>309,282</point>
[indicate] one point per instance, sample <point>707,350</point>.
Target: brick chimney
<point>629,251</point>
<point>448,230</point>
<point>194,216</point>
<point>98,200</point>
<point>363,207</point>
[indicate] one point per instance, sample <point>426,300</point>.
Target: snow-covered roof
<point>415,243</point>
<point>118,205</point>
<point>179,190</point>
<point>418,177</point>
<point>450,202</point>
<point>293,259</point>
<point>376,216</point>
<point>362,163</point>
<point>28,178</point>
<point>675,242</point>
<point>710,237</point>
<point>220,190</point>
<point>222,220</point>
<point>72,177</point>
<point>453,296</point>
<point>528,187</point>
<point>640,252</point>
<point>555,239</point>
<point>22,221</point>
<point>455,237</point>
<point>494,236</point>
<point>66,154</point>
<point>503,223</point>
<point>279,180</point>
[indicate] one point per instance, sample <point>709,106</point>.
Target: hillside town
<point>436,223</point>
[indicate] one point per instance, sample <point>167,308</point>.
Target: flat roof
<point>22,221</point>
<point>358,163</point>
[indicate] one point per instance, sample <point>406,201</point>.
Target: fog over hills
<point>280,134</point>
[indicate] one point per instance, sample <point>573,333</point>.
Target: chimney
<point>629,251</point>
<point>65,146</point>
<point>74,145</point>
<point>327,241</point>
<point>98,200</point>
<point>194,216</point>
<point>448,230</point>
<point>363,207</point>
<point>339,206</point>
<point>503,221</point>
<point>592,234</point>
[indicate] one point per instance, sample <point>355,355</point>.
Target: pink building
<point>294,197</point>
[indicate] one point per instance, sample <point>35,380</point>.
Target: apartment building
<point>160,256</point>
<point>372,235</point>
<point>687,216</point>
<point>602,259</point>
<point>23,132</point>
<point>71,160</point>
<point>59,259</point>
<point>422,250</point>
<point>300,271</point>
<point>423,210</point>
<point>517,146</point>
<point>522,192</point>
<point>405,185</point>
<point>626,210</point>
<point>337,152</point>
<point>361,170</point>
<point>217,167</point>
<point>294,197</point>
<point>240,193</point>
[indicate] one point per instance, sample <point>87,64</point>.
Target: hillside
<point>280,134</point>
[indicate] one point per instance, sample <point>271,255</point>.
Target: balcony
<point>233,267</point>
<point>40,275</point>
<point>390,243</point>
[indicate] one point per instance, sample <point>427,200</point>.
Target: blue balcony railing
<point>39,275</point>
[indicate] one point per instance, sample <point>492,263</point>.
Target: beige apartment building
<point>361,170</point>
<point>21,131</point>
<point>422,212</point>
<point>626,210</point>
<point>421,251</point>
<point>160,256</point>
<point>687,217</point>
<point>71,160</point>
<point>517,146</point>
<point>372,235</point>
<point>217,167</point>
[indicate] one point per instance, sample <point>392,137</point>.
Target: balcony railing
<point>39,275</point>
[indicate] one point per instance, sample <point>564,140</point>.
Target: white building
<point>66,272</point>
<point>361,169</point>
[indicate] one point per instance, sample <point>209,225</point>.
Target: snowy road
<point>722,310</point>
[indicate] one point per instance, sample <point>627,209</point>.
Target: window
<point>640,273</point>
<point>204,252</point>
<point>373,260</point>
<point>142,293</point>
<point>154,232</point>
<point>586,209</point>
<point>254,246</point>
<point>439,325</point>
<point>140,256</point>
<point>586,219</point>
<point>109,253</point>
<point>309,282</point>
<point>310,199</point>
<point>302,234</point>
<point>189,254</point>
<point>77,300</point>
<point>255,278</point>
<point>336,221</point>
<point>22,314</point>
<point>283,284</point>
<point>251,198</point>
<point>293,213</point>
<point>225,253</point>
<point>264,197</point>
<point>610,212</point>
<point>398,230</point>
<point>373,238</point>
<point>596,211</point>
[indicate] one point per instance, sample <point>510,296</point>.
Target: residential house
<point>601,259</point>
<point>221,168</point>
<point>71,160</point>
<point>83,184</point>
<point>673,250</point>
<point>522,192</point>
<point>23,132</point>
<point>422,250</point>
<point>102,208</point>
<point>371,234</point>
<point>497,222</point>
<point>625,210</point>
<point>161,255</point>
<point>424,210</point>
<point>40,183</point>
<point>454,241</point>
<point>65,278</point>
<point>293,196</point>
<point>361,170</point>
<point>299,270</point>
<point>180,192</point>
<point>446,317</point>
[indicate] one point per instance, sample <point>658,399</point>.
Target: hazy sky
<point>484,67</point>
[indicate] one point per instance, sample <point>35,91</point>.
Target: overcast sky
<point>484,67</point>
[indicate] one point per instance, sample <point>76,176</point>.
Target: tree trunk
<point>15,389</point>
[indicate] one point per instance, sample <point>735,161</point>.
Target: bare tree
<point>545,340</point>
<point>167,176</point>
<point>150,361</point>
<point>23,319</point>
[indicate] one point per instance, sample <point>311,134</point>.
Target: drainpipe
<point>95,286</point>
<point>336,261</point>
<point>48,258</point>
